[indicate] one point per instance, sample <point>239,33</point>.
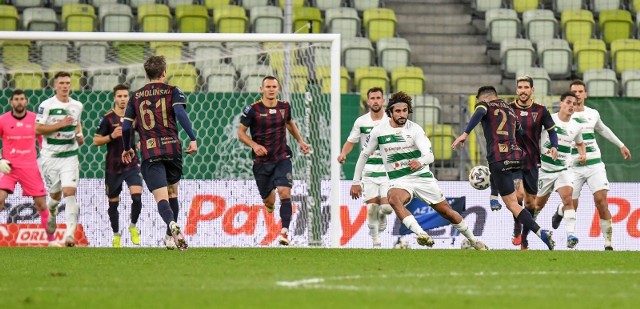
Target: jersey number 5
<point>148,117</point>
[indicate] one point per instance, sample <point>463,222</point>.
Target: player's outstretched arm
<point>346,150</point>
<point>610,136</point>
<point>473,122</point>
<point>293,129</point>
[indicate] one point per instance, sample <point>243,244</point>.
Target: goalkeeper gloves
<point>5,166</point>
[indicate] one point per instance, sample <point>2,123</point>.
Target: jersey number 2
<point>503,121</point>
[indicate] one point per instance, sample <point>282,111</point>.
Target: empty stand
<point>327,4</point>
<point>51,52</point>
<point>307,20</point>
<point>441,136</point>
<point>294,3</point>
<point>251,76</point>
<point>356,53</point>
<point>615,24</point>
<point>230,19</point>
<point>362,5</point>
<point>250,4</point>
<point>172,51</point>
<point>207,53</point>
<point>368,77</point>
<point>266,19</point>
<point>426,110</point>
<point>559,6</point>
<point>8,18</point>
<point>173,4</point>
<point>342,20</point>
<point>182,75</point>
<point>91,53</point>
<point>138,3</point>
<point>129,52</point>
<point>115,17</point>
<point>555,57</point>
<point>540,25</point>
<point>501,24</point>
<point>408,79</point>
<point>393,53</point>
<point>598,6</point>
<point>577,25</point>
<point>601,83</point>
<point>15,53</point>
<point>136,76</point>
<point>589,54</point>
<point>154,18</point>
<point>78,17</point>
<point>379,23</point>
<point>245,54</point>
<point>521,6</point>
<point>323,74</point>
<point>482,6</point>
<point>516,54</point>
<point>192,18</point>
<point>625,55</point>
<point>26,76</point>
<point>103,79</point>
<point>39,19</point>
<point>28,3</point>
<point>631,83</point>
<point>220,78</point>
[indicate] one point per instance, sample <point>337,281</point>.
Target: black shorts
<point>160,172</point>
<point>113,182</point>
<point>529,180</point>
<point>271,175</point>
<point>502,175</point>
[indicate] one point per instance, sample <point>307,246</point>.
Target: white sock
<point>570,221</point>
<point>411,223</point>
<point>284,230</point>
<point>605,227</point>
<point>493,197</point>
<point>386,209</point>
<point>53,206</point>
<point>464,230</point>
<point>560,210</point>
<point>71,214</point>
<point>372,219</point>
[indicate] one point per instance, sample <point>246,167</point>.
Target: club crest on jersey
<point>534,115</point>
<point>282,113</point>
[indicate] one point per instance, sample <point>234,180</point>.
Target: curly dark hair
<point>399,97</point>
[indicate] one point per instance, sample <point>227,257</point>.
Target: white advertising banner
<point>230,214</point>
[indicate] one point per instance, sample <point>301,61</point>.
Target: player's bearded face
<point>19,103</point>
<point>524,91</point>
<point>400,113</point>
<point>375,101</point>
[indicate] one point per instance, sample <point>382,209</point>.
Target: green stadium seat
<point>250,4</point>
<point>172,51</point>
<point>77,17</point>
<point>323,74</point>
<point>393,53</point>
<point>299,78</point>
<point>441,137</point>
<point>426,110</point>
<point>325,5</point>
<point>539,25</point>
<point>625,55</point>
<point>115,17</point>
<point>103,79</point>
<point>192,18</point>
<point>482,6</point>
<point>408,79</point>
<point>589,54</point>
<point>368,77</point>
<point>15,53</point>
<point>521,6</point>
<point>356,53</point>
<point>601,82</point>
<point>363,5</point>
<point>51,52</point>
<point>276,55</point>
<point>266,19</point>
<point>555,57</point>
<point>91,53</point>
<point>615,24</point>
<point>8,18</point>
<point>305,15</point>
<point>26,76</point>
<point>559,6</point>
<point>501,24</point>
<point>230,19</point>
<point>631,83</point>
<point>541,80</point>
<point>39,19</point>
<point>207,53</point>
<point>379,23</point>
<point>73,68</point>
<point>294,3</point>
<point>577,25</point>
<point>182,75</point>
<point>129,52</point>
<point>342,20</point>
<point>634,6</point>
<point>216,4</point>
<point>154,18</point>
<point>221,78</point>
<point>516,54</point>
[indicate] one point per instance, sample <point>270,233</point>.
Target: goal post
<point>315,103</point>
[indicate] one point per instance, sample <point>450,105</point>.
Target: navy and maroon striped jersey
<point>109,122</point>
<point>499,125</point>
<point>532,119</point>
<point>267,126</point>
<point>151,110</point>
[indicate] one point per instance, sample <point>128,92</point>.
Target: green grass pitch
<point>316,278</point>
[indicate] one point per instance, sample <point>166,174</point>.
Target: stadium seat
<point>294,3</point>
<point>482,6</point>
<point>634,6</point>
<point>555,56</point>
<point>426,110</point>
<point>342,20</point>
<point>115,17</point>
<point>136,76</point>
<point>325,5</point>
<point>356,53</point>
<point>207,53</point>
<point>51,52</point>
<point>26,76</point>
<point>21,4</point>
<point>631,83</point>
<point>245,54</point>
<point>598,6</point>
<point>539,25</point>
<point>135,4</point>
<point>73,68</point>
<point>182,75</point>
<point>516,54</point>
<point>615,24</point>
<point>266,19</point>
<point>192,18</point>
<point>379,23</point>
<point>601,83</point>
<point>441,136</point>
<point>250,4</point>
<point>305,16</point>
<point>577,25</point>
<point>559,6</point>
<point>172,51</point>
<point>541,80</point>
<point>299,78</point>
<point>8,18</point>
<point>104,79</point>
<point>589,54</point>
<point>323,74</point>
<point>91,53</point>
<point>230,19</point>
<point>97,3</point>
<point>369,77</point>
<point>221,78</point>
<point>78,17</point>
<point>625,55</point>
<point>501,24</point>
<point>39,19</point>
<point>129,52</point>
<point>363,5</point>
<point>252,75</point>
<point>276,54</point>
<point>393,53</point>
<point>521,6</point>
<point>154,18</point>
<point>408,79</point>
<point>58,4</point>
<point>173,4</point>
<point>321,54</point>
<point>15,53</point>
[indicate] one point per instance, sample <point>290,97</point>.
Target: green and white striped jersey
<point>591,122</point>
<point>359,133</point>
<point>62,143</point>
<point>568,133</point>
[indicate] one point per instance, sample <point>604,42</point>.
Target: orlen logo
<point>33,236</point>
<point>624,213</point>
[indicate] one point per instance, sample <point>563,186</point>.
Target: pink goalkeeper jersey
<point>19,139</point>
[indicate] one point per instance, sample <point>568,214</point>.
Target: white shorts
<point>594,175</point>
<point>374,187</point>
<point>60,173</point>
<point>549,182</point>
<point>424,188</point>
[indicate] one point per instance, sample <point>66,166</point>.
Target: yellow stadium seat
<point>303,16</point>
<point>369,77</point>
<point>295,3</point>
<point>275,51</point>
<point>408,79</point>
<point>577,25</point>
<point>182,75</point>
<point>615,24</point>
<point>299,78</point>
<point>8,18</point>
<point>26,76</point>
<point>379,23</point>
<point>230,19</point>
<point>323,75</point>
<point>522,6</point>
<point>74,69</point>
<point>172,51</point>
<point>78,17</point>
<point>130,52</point>
<point>216,4</point>
<point>441,136</point>
<point>192,18</point>
<point>625,55</point>
<point>154,18</point>
<point>589,54</point>
<point>15,53</point>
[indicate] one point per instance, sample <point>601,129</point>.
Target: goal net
<point>220,75</point>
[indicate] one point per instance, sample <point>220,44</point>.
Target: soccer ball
<point>401,244</point>
<point>465,245</point>
<point>479,177</point>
